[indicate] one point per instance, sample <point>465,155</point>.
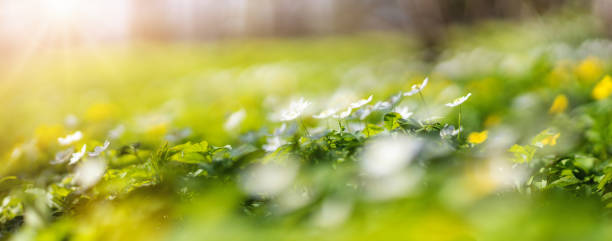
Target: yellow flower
<point>603,89</point>
<point>550,140</point>
<point>546,137</point>
<point>478,137</point>
<point>559,104</point>
<point>589,69</point>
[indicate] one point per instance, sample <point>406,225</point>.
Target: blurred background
<point>35,34</point>
<point>73,22</point>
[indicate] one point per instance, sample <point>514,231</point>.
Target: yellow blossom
<point>550,140</point>
<point>478,137</point>
<point>559,104</point>
<point>603,89</point>
<point>589,69</point>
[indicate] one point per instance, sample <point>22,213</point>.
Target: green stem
<point>459,125</point>
<point>347,126</point>
<point>305,128</point>
<point>424,104</point>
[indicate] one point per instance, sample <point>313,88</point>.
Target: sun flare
<point>61,11</point>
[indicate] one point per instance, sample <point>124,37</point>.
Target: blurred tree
<point>603,10</point>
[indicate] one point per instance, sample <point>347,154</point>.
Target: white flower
<point>394,185</point>
<point>459,100</point>
<point>417,88</point>
<point>364,113</point>
<point>422,86</point>
<point>381,105</point>
<point>293,198</point>
<point>429,120</point>
<point>195,173</point>
<point>269,178</point>
<point>280,130</point>
<point>99,149</point>
<point>295,109</point>
<point>178,135</point>
<point>403,111</point>
<point>69,139</point>
<point>89,173</point>
<point>234,120</point>
<point>273,144</point>
<point>78,155</point>
<point>449,131</point>
<point>333,212</point>
<point>396,98</point>
<point>505,175</point>
<point>116,132</point>
<point>62,156</point>
<point>411,93</point>
<point>358,104</point>
<point>356,126</point>
<point>386,156</point>
<point>71,120</point>
<point>325,114</point>
<point>344,114</point>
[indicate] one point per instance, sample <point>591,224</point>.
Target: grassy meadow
<point>351,137</point>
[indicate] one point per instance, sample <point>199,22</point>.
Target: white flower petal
<point>358,104</point>
<point>69,139</point>
<point>295,109</point>
<point>234,120</point>
<point>89,173</point>
<point>99,149</point>
<point>116,132</point>
<point>268,178</point>
<point>459,100</point>
<point>417,88</point>
<point>388,155</point>
<point>78,155</point>
<point>344,114</point>
<point>325,114</point>
<point>381,105</point>
<point>449,131</point>
<point>273,143</point>
<point>404,112</point>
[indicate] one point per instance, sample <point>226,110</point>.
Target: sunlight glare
<point>61,11</point>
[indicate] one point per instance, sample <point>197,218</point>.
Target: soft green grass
<point>206,81</point>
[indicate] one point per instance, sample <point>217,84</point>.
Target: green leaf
<point>191,153</point>
<point>584,162</point>
<point>566,180</point>
<point>391,120</point>
<point>191,148</point>
<point>605,179</point>
<point>522,153</point>
<point>372,130</point>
